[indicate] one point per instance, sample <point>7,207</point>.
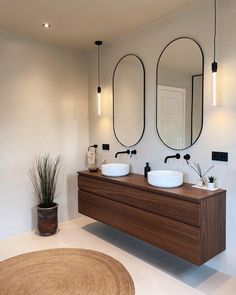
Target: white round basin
<point>115,169</point>
<point>165,178</point>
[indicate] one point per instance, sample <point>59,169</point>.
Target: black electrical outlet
<point>219,156</point>
<point>105,147</point>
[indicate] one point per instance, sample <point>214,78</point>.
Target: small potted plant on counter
<point>211,182</point>
<point>44,179</point>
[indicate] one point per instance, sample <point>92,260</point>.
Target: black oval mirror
<point>179,104</point>
<point>129,100</point>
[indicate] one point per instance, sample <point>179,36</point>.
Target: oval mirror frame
<point>202,95</point>
<point>143,100</point>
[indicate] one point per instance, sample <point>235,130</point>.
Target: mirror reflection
<point>129,100</point>
<point>179,114</point>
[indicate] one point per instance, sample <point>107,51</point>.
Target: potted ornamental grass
<point>44,178</point>
<point>197,168</point>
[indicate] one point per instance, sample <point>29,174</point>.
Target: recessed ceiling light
<point>46,25</point>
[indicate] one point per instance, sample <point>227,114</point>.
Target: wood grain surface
<point>185,221</point>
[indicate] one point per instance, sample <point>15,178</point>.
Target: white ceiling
<point>78,23</point>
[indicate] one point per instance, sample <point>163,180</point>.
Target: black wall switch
<point>219,156</point>
<point>105,147</point>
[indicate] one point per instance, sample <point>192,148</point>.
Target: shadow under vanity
<point>185,221</point>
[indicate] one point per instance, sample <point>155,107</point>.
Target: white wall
<point>219,122</point>
<point>43,108</point>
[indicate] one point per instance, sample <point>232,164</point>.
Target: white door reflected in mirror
<point>171,115</point>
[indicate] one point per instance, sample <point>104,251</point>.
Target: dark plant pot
<point>47,220</point>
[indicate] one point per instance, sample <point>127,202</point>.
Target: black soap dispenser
<point>147,168</point>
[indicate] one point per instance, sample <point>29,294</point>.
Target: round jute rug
<point>64,272</point>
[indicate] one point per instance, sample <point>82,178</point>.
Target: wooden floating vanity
<point>185,221</point>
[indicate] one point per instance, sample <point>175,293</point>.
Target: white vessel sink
<point>115,169</point>
<point>165,178</point>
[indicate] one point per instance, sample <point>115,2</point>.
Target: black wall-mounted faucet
<point>133,152</point>
<point>177,156</point>
<point>187,158</point>
<point>123,152</point>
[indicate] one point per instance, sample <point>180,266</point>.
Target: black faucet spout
<point>122,152</point>
<point>177,156</point>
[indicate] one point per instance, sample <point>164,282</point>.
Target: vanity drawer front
<point>180,210</point>
<point>101,188</point>
<point>101,209</point>
<point>176,237</point>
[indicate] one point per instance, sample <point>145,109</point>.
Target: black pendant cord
<point>214,65</point>
<point>98,43</point>
<point>98,66</point>
<point>215,31</point>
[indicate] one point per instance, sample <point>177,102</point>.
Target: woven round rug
<point>64,272</point>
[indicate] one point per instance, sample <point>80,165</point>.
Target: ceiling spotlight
<point>46,25</point>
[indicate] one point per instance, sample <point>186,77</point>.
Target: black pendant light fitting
<point>98,43</point>
<point>99,89</point>
<point>214,65</point>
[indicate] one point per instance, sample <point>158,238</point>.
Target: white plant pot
<point>211,185</point>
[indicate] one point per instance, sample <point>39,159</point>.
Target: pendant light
<point>99,89</point>
<point>214,66</point>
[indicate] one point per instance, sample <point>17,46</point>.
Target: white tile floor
<point>153,271</point>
